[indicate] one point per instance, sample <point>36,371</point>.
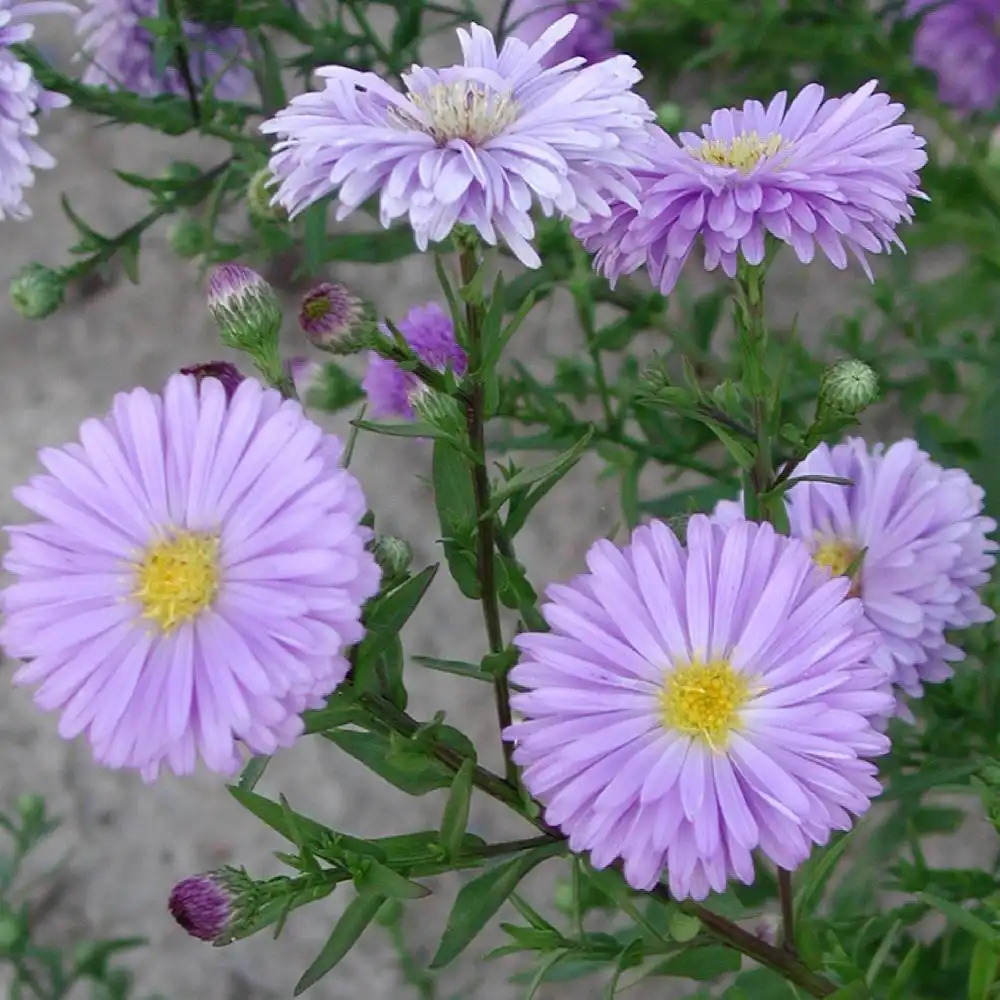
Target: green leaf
<point>456,810</point>
<point>982,971</point>
<point>359,914</point>
<point>416,774</point>
<point>700,963</point>
<point>817,873</point>
<point>964,918</point>
<point>458,667</point>
<point>901,980</point>
<point>547,474</point>
<point>379,247</point>
<point>277,817</point>
<point>852,991</point>
<point>404,429</point>
<point>479,899</point>
<point>684,926</point>
<point>408,849</point>
<point>383,881</point>
<point>456,508</point>
<point>335,389</point>
<point>272,87</point>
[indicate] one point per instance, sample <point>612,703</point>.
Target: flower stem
<point>787,911</point>
<point>485,538</point>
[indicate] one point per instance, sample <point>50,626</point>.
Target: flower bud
<point>848,387</point>
<point>333,319</point>
<point>204,904</point>
<point>393,555</point>
<point>32,809</point>
<point>259,195</point>
<point>37,291</point>
<point>186,237</point>
<point>228,374</point>
<point>669,116</point>
<point>247,312</point>
<point>437,409</point>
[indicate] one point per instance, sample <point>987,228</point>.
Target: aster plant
<point>722,710</point>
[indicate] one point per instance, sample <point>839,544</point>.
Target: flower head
<point>430,333</point>
<point>203,904</point>
<point>694,704</point>
<point>37,291</point>
<point>475,143</point>
<point>592,37</point>
<point>919,532</point>
<point>225,371</point>
<point>21,99</point>
<point>245,307</point>
<point>959,41</point>
<point>329,315</point>
<point>197,570</point>
<point>849,386</point>
<point>120,52</point>
<point>836,173</point>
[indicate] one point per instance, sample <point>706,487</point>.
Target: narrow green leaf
<point>417,775</point>
<point>383,881</point>
<point>813,881</point>
<point>359,914</point>
<point>253,772</point>
<point>882,953</point>
<point>901,980</point>
<point>479,899</point>
<point>705,963</point>
<point>456,810</point>
<point>982,971</point>
<point>857,990</point>
<point>458,667</point>
<point>380,247</point>
<point>276,816</point>
<point>963,918</point>
<point>413,429</point>
<point>456,509</point>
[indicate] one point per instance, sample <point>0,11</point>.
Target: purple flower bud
<point>246,309</point>
<point>330,315</point>
<point>228,374</point>
<point>203,905</point>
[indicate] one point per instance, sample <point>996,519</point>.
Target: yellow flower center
<point>317,307</point>
<point>742,153</point>
<point>178,578</point>
<point>838,556</point>
<point>704,700</point>
<point>461,110</point>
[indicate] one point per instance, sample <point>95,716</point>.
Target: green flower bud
<point>260,191</point>
<point>248,314</point>
<point>393,555</point>
<point>186,237</point>
<point>37,291</point>
<point>669,116</point>
<point>32,809</point>
<point>848,387</point>
<point>437,409</point>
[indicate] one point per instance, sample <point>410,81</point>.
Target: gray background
<point>123,844</point>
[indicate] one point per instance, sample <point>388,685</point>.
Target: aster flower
<point>694,704</point>
<point>329,315</point>
<point>592,37</point>
<point>431,335</point>
<point>21,98</point>
<point>120,52</point>
<point>836,173</point>
<point>196,572</point>
<point>959,42</point>
<point>475,143</point>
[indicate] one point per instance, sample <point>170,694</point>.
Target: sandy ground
<point>123,844</point>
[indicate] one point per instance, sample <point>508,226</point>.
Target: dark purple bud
<point>202,905</point>
<point>330,317</point>
<point>228,374</point>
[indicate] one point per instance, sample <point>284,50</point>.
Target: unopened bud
<point>204,905</point>
<point>669,116</point>
<point>247,312</point>
<point>260,192</point>
<point>437,409</point>
<point>31,807</point>
<point>848,387</point>
<point>333,319</point>
<point>186,237</point>
<point>393,555</point>
<point>37,291</point>
<point>228,374</point>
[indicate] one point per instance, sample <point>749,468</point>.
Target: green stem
<point>787,898</point>
<point>719,927</point>
<point>183,66</point>
<point>475,410</point>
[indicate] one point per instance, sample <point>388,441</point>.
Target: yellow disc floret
<point>836,555</point>
<point>704,700</point>
<point>178,578</point>
<point>742,153</point>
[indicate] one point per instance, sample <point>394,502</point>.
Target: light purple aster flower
<point>837,174</point>
<point>959,42</point>
<point>430,333</point>
<point>694,704</point>
<point>593,36</point>
<point>119,52</point>
<point>21,98</point>
<point>196,572</point>
<point>476,143</point>
<point>924,542</point>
